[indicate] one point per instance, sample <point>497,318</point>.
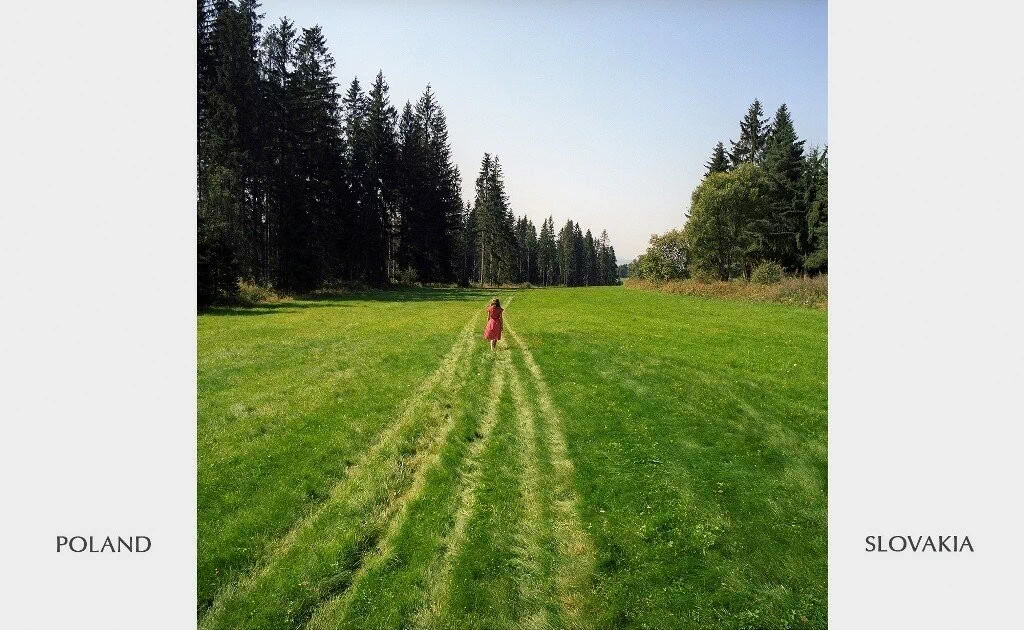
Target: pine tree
<point>815,197</point>
<point>754,132</point>
<point>589,260</point>
<point>613,271</point>
<point>253,249</point>
<point>482,218</point>
<point>411,185</point>
<point>787,220</point>
<point>462,243</point>
<point>279,157</point>
<point>522,251</point>
<point>531,252</point>
<point>208,262</point>
<point>784,152</point>
<point>205,60</point>
<point>526,249</point>
<point>579,255</point>
<point>494,224</point>
<point>315,224</point>
<point>607,273</point>
<point>353,107</point>
<point>229,191</point>
<point>571,257</point>
<point>354,167</point>
<point>546,252</point>
<point>443,189</point>
<point>378,211</point>
<point>563,246</point>
<point>503,250</point>
<point>719,162</point>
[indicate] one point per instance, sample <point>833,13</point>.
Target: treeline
<point>763,202</point>
<point>301,187</point>
<point>503,249</point>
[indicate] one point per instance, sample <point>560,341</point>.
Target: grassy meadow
<point>627,459</point>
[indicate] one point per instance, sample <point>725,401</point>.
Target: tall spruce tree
<point>253,248</point>
<point>412,240</point>
<point>503,250</point>
<point>753,140</point>
<point>784,151</point>
<point>464,244</point>
<point>522,249</point>
<point>314,231</point>
<point>786,232</point>
<point>205,60</point>
<point>431,197</point>
<point>719,162</point>
<point>613,271</point>
<point>531,252</point>
<point>547,252</point>
<point>607,270</point>
<point>563,247</point>
<point>579,254</point>
<point>815,197</point>
<point>482,219</point>
<point>208,284</point>
<point>280,158</point>
<point>378,211</point>
<point>443,189</point>
<point>354,165</point>
<point>228,211</point>
<point>590,268</point>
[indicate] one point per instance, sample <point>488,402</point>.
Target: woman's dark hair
<point>495,302</point>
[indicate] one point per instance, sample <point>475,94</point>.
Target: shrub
<point>768,272</point>
<point>335,288</point>
<point>703,275</point>
<point>406,276</point>
<point>665,258</point>
<point>253,294</point>
<point>810,292</point>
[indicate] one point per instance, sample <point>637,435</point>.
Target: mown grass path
<point>623,460</point>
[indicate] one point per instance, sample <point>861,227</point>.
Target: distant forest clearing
<point>626,459</point>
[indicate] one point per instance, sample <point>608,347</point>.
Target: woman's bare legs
<point>494,343</point>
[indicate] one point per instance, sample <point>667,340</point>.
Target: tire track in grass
<point>530,560</point>
<point>337,610</point>
<point>338,607</point>
<point>575,559</point>
<point>359,482</point>
<point>439,573</point>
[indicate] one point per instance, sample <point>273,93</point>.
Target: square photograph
<point>512,315</point>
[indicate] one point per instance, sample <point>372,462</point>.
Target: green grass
<point>627,459</point>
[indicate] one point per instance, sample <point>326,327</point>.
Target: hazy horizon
<point>604,114</point>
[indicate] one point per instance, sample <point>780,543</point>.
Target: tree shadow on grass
<point>413,294</point>
<point>291,306</point>
<point>329,300</point>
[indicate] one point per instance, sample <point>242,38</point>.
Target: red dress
<point>493,330</point>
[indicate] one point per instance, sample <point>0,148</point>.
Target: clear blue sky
<point>602,112</point>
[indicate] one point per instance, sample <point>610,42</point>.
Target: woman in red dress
<point>493,330</point>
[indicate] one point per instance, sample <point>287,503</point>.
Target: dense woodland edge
<point>302,188</point>
<point>761,212</point>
